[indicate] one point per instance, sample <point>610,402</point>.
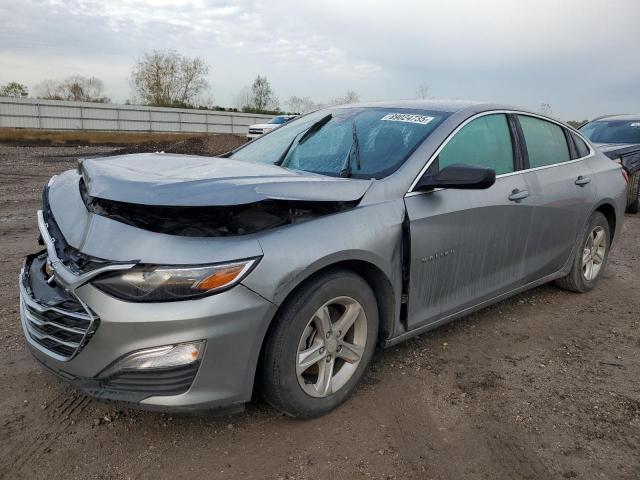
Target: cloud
<point>578,55</point>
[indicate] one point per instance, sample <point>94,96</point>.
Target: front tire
<point>592,252</point>
<point>321,345</point>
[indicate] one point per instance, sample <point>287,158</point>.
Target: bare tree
<point>423,90</point>
<point>192,78</point>
<point>168,79</point>
<point>14,89</point>
<point>83,89</point>
<point>545,109</point>
<point>76,88</point>
<point>301,104</point>
<point>350,97</point>
<point>49,90</point>
<point>257,98</point>
<point>262,96</point>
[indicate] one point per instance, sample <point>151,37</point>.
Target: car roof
<point>620,116</point>
<point>437,105</point>
<point>449,106</point>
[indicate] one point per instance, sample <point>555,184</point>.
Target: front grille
<point>53,317</point>
<point>255,130</point>
<point>158,382</point>
<point>57,330</point>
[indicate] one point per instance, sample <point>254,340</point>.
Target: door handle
<point>518,195</point>
<point>582,181</point>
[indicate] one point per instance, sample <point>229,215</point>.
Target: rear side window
<point>546,143</point>
<point>485,142</point>
<point>581,147</point>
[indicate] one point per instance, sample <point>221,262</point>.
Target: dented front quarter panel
<point>370,233</point>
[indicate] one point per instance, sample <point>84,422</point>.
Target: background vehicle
<point>261,128</point>
<point>618,136</point>
<point>174,280</point>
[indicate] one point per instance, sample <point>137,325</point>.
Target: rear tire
<point>633,194</point>
<point>321,345</point>
<point>592,252</point>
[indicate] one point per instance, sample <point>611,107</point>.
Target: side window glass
<point>546,143</point>
<point>581,147</point>
<point>485,142</point>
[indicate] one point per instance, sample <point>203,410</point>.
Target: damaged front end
<point>211,221</point>
<point>209,197</point>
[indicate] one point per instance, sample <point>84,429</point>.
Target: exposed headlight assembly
<point>152,283</point>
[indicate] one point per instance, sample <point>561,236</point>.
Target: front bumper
<point>232,323</point>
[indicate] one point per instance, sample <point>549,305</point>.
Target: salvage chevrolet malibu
<point>183,282</point>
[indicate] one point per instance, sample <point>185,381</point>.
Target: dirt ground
<point>544,385</point>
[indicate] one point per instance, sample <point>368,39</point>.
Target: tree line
<point>166,78</point>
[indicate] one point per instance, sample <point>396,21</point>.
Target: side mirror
<point>459,176</point>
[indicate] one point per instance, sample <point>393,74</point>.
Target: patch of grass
<point>85,137</point>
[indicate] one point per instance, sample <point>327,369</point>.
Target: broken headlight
<point>168,283</point>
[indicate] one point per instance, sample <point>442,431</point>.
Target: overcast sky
<point>580,56</point>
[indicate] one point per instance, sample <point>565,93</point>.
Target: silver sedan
<point>184,282</point>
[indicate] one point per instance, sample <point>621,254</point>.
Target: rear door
<point>468,246</point>
<point>562,192</point>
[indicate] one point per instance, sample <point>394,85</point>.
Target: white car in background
<point>261,128</point>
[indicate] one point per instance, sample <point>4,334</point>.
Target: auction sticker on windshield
<point>406,117</point>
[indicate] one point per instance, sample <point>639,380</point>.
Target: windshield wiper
<point>305,135</point>
<point>355,149</point>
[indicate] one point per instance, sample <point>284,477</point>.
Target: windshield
<point>612,131</point>
<point>279,120</point>
<point>382,139</point>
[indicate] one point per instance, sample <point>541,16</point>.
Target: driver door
<point>468,246</point>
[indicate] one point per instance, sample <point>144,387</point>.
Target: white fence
<point>62,115</point>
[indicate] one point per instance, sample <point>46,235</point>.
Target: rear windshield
<point>359,142</point>
<point>612,131</point>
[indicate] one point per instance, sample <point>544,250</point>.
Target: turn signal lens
<point>220,278</point>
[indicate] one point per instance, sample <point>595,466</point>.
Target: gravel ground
<point>544,385</point>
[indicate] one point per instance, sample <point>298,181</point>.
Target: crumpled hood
<point>184,180</point>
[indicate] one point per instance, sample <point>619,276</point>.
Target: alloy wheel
<point>331,346</point>
<point>593,253</point>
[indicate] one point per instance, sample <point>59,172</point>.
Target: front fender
<point>371,234</point>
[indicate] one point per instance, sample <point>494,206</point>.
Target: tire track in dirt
<point>62,413</point>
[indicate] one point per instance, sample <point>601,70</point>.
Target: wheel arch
<point>380,284</point>
<point>607,209</point>
<point>375,277</point>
